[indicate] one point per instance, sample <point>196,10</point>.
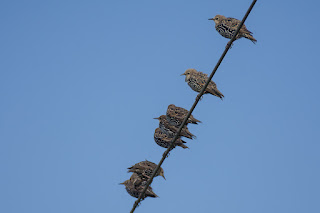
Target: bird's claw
<point>200,98</point>
<point>229,44</point>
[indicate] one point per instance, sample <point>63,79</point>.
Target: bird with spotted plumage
<point>227,26</point>
<point>196,80</point>
<point>145,168</point>
<point>135,186</point>
<point>175,116</point>
<point>164,140</point>
<point>171,130</point>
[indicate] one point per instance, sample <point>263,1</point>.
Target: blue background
<point>80,82</point>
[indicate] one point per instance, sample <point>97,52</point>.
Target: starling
<point>145,168</point>
<point>164,141</point>
<point>171,130</point>
<point>175,116</point>
<point>135,186</point>
<point>196,80</point>
<point>228,26</point>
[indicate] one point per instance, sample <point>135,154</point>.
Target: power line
<point>165,154</point>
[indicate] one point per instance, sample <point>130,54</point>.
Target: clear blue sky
<point>80,82</point>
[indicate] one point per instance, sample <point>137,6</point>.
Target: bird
<point>164,141</point>
<point>145,168</point>
<point>171,130</point>
<point>228,26</point>
<point>135,186</point>
<point>196,80</point>
<point>175,116</point>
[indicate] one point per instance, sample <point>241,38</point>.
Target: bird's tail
<point>131,170</point>
<point>188,134</point>
<point>193,120</point>
<point>250,37</point>
<point>150,193</point>
<point>183,141</point>
<point>134,168</point>
<point>183,146</point>
<point>215,92</point>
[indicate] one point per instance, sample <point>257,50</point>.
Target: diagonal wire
<point>165,154</point>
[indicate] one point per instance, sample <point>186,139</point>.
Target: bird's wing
<point>181,110</point>
<point>212,84</point>
<point>173,128</point>
<point>179,116</point>
<point>234,23</point>
<point>135,167</point>
<point>201,78</point>
<point>149,164</point>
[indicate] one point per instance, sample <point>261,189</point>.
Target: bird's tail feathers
<point>189,135</point>
<point>215,92</point>
<point>183,146</point>
<point>194,121</point>
<point>183,141</point>
<point>250,37</point>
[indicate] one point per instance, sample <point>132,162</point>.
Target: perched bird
<point>228,26</point>
<point>196,80</point>
<point>171,130</point>
<point>145,168</point>
<point>175,116</point>
<point>164,141</point>
<point>135,186</point>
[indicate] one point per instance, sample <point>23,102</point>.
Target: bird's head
<point>161,117</point>
<point>125,183</point>
<point>217,18</point>
<point>157,130</point>
<point>171,107</point>
<point>188,73</point>
<point>161,173</point>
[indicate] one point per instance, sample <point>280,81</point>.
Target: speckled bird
<point>135,186</point>
<point>196,80</point>
<point>171,130</point>
<point>228,26</point>
<point>137,180</point>
<point>145,168</point>
<point>164,140</point>
<point>175,116</point>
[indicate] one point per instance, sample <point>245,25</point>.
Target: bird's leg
<point>199,97</point>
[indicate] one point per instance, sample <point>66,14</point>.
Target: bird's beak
<point>121,183</point>
<point>210,19</point>
<point>183,74</point>
<point>163,176</point>
<point>156,118</point>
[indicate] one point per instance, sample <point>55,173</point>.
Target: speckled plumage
<point>228,26</point>
<point>175,116</point>
<point>196,80</point>
<point>164,140</point>
<point>170,130</point>
<point>135,186</point>
<point>145,168</point>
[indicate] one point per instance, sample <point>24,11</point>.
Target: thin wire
<point>165,154</point>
